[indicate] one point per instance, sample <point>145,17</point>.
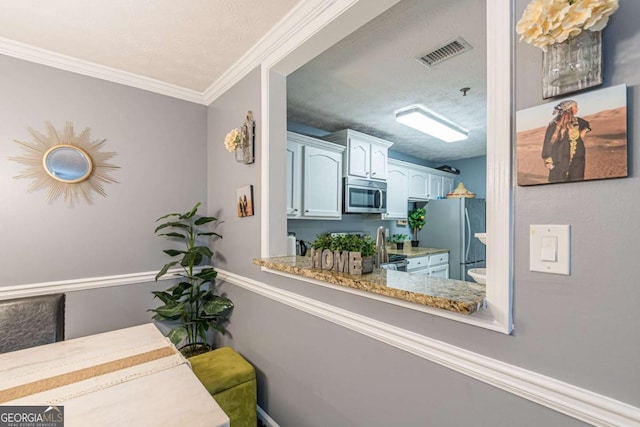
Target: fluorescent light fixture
<point>431,123</point>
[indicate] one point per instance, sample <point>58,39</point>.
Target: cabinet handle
<point>306,211</point>
<point>373,173</point>
<point>366,173</point>
<point>295,210</point>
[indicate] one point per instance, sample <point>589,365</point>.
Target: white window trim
<point>327,22</point>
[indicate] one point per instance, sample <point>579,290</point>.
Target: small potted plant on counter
<point>399,239</point>
<point>416,222</point>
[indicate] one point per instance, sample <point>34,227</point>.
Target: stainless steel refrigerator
<point>451,224</point>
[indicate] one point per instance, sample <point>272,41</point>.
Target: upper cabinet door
<point>418,184</point>
<point>359,157</point>
<point>447,185</point>
<point>322,183</point>
<point>435,186</point>
<point>397,188</point>
<point>379,162</point>
<point>294,179</point>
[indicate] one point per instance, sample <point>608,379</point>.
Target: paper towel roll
<point>291,245</point>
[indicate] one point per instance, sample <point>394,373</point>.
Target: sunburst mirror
<point>67,164</point>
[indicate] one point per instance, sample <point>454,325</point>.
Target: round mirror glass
<point>67,163</point>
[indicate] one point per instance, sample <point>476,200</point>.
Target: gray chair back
<point>32,321</point>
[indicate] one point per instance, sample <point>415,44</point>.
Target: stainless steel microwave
<point>364,196</point>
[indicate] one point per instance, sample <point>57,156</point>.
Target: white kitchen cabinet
<point>436,265</point>
<point>365,157</point>
<point>439,265</point>
<point>428,184</point>
<point>418,264</point>
<point>397,191</point>
<point>314,178</point>
<point>441,271</point>
<point>435,186</point>
<point>294,179</point>
<point>447,185</point>
<point>418,183</point>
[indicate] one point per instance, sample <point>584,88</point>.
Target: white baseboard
<point>266,419</point>
<point>576,402</point>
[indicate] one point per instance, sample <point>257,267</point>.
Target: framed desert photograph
<point>244,201</point>
<point>578,138</point>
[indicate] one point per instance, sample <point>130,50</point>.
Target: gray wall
<point>473,173</point>
<point>580,328</point>
<point>161,150</point>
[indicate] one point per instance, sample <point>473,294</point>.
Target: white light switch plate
<point>550,249</point>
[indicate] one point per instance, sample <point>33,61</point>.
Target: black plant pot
<point>414,243</point>
<point>194,349</point>
<point>400,246</point>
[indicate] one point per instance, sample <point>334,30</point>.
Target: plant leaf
<point>167,216</point>
<point>218,327</point>
<point>210,233</point>
<point>178,290</point>
<point>191,213</point>
<point>165,297</point>
<point>173,252</point>
<point>171,311</point>
<point>171,224</point>
<point>217,305</point>
<point>204,250</point>
<point>177,334</point>
<point>181,236</point>
<point>205,220</point>
<point>164,269</point>
<point>207,274</point>
<point>191,258</point>
<point>202,331</point>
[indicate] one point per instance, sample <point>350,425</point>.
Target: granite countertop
<point>412,252</point>
<point>452,295</point>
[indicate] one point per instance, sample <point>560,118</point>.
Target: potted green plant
<point>350,243</point>
<point>399,239</point>
<point>416,222</point>
<point>191,302</point>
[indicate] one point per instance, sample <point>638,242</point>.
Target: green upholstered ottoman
<point>231,380</point>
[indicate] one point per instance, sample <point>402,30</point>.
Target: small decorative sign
<point>340,262</point>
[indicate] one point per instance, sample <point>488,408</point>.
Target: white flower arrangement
<point>233,140</point>
<point>546,22</point>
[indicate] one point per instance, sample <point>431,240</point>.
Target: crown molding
<point>287,29</point>
<point>86,68</point>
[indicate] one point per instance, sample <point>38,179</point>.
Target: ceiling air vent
<point>445,52</point>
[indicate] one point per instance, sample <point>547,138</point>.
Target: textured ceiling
<point>188,43</point>
<point>359,82</point>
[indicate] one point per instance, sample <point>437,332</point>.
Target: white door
<point>322,190</point>
<point>294,179</point>
<point>397,192</point>
<point>359,157</point>
<point>379,162</point>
